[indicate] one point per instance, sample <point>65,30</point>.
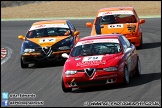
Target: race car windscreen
<point>95,49</point>
<point>116,19</point>
<point>46,32</point>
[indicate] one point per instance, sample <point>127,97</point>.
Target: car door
<point>132,53</point>
<point>127,54</point>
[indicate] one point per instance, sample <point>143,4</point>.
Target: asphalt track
<point>45,81</point>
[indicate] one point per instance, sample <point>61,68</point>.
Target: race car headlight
<point>29,50</point>
<point>64,48</point>
<point>110,69</point>
<point>70,72</point>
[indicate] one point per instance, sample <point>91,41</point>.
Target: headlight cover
<point>113,68</point>
<point>70,72</point>
<point>29,50</point>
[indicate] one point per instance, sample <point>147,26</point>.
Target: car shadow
<point>135,81</point>
<point>47,64</point>
<point>150,45</point>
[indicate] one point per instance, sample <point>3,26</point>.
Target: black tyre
<point>64,88</point>
<point>138,69</point>
<point>23,65</point>
<point>141,43</point>
<point>126,76</point>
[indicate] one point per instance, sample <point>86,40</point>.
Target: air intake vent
<point>115,33</point>
<point>131,28</point>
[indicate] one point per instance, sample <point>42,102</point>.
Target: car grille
<point>90,71</point>
<point>46,52</point>
<point>97,69</point>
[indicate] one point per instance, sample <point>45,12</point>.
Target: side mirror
<point>76,33</point>
<point>89,24</point>
<point>142,21</point>
<point>21,37</point>
<point>128,49</point>
<point>65,55</point>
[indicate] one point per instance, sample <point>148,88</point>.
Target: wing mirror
<point>65,55</point>
<point>89,24</point>
<point>76,33</point>
<point>21,37</point>
<point>128,49</point>
<point>142,21</point>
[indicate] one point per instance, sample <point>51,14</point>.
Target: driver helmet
<point>40,32</point>
<point>87,49</point>
<point>108,18</point>
<point>67,33</point>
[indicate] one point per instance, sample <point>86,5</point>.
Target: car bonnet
<point>96,61</point>
<point>47,41</point>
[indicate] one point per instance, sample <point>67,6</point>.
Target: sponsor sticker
<point>115,12</point>
<point>48,26</point>
<point>97,41</point>
<point>91,63</point>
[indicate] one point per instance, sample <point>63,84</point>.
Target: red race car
<point>100,60</point>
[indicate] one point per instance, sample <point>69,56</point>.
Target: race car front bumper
<point>36,57</point>
<point>100,78</point>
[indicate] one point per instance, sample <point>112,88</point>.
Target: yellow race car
<point>46,41</point>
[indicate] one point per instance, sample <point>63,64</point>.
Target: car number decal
<point>47,40</point>
<point>92,58</point>
<point>115,26</point>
